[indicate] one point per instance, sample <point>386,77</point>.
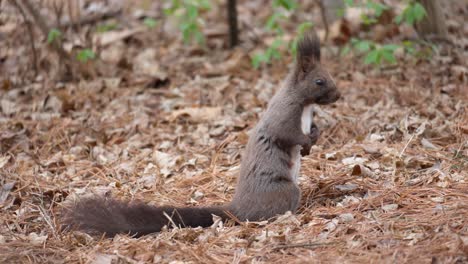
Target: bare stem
<point>45,29</point>
<point>31,35</point>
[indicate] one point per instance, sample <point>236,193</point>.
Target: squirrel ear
<point>308,52</point>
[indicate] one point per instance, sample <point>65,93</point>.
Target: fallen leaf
<point>145,63</point>
<point>353,160</point>
<point>389,207</point>
<point>109,37</point>
<point>346,187</point>
<point>197,115</point>
<point>165,162</point>
<point>427,144</point>
<point>8,107</point>
<point>4,160</point>
<point>5,190</point>
<point>36,239</point>
<point>346,218</point>
<point>99,258</point>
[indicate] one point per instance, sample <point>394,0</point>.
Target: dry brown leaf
<point>165,162</point>
<point>198,114</point>
<point>110,37</point>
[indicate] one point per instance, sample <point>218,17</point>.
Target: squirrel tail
<point>110,217</point>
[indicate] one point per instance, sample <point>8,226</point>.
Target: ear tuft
<point>309,46</point>
<point>308,51</point>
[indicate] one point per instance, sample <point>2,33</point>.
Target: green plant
<point>273,24</point>
<point>413,12</point>
<point>374,53</point>
<point>150,22</point>
<point>378,54</point>
<point>54,35</point>
<point>373,10</point>
<point>106,27</point>
<point>188,13</point>
<point>272,52</point>
<point>85,55</point>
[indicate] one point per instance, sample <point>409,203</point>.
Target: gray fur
<point>267,185</point>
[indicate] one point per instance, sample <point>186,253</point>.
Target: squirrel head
<point>310,79</point>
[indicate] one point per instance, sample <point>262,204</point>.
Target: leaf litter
<point>167,124</point>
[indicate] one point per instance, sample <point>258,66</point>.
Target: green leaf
<point>349,2</point>
<point>106,27</point>
<point>150,22</point>
<point>54,35</point>
<point>372,57</point>
<point>409,46</point>
<point>419,11</point>
<point>257,59</point>
<point>85,55</point>
<point>399,19</point>
<point>346,50</point>
<point>303,27</point>
<point>388,56</point>
<point>377,7</point>
<point>272,23</point>
<point>390,47</point>
<point>274,53</point>
<point>340,12</point>
<point>286,4</point>
<point>277,43</point>
<point>293,47</point>
<point>199,37</point>
<point>171,9</point>
<point>205,4</point>
<point>363,45</point>
<point>367,20</point>
<point>192,12</point>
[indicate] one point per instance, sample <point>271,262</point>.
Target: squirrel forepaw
<point>314,133</point>
<point>313,136</point>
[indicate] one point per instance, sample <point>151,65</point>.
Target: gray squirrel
<point>267,184</point>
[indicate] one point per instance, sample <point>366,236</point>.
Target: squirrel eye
<point>320,82</point>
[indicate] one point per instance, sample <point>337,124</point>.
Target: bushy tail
<point>110,217</point>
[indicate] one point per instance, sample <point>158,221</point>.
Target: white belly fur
<point>306,122</point>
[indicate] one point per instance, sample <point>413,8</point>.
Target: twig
<point>58,11</point>
<point>93,18</point>
<point>232,21</point>
<point>406,145</point>
<point>306,245</point>
<point>40,21</point>
<point>324,19</point>
<point>170,220</point>
<point>31,35</point>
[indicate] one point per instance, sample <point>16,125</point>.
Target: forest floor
<point>155,120</point>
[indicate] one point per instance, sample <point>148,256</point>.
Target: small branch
<point>232,22</point>
<point>31,35</point>
<point>324,19</point>
<point>92,19</point>
<point>305,245</point>
<point>45,29</point>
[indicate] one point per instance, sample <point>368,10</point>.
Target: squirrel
<point>267,185</point>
